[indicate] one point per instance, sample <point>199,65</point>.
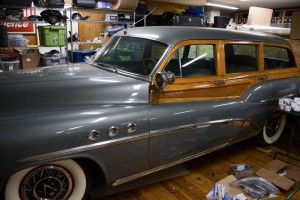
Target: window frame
<point>291,56</point>
<point>258,55</point>
<point>176,50</point>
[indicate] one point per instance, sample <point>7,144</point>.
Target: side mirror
<point>162,79</point>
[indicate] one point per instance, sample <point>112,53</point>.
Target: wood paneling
<point>88,31</point>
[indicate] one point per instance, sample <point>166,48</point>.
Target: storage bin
<point>9,65</point>
<point>54,60</point>
<point>51,36</point>
<point>78,56</point>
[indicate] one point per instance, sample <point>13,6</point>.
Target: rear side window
<point>240,58</point>
<point>278,58</point>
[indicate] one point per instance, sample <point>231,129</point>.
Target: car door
<point>244,73</point>
<point>242,69</point>
<point>189,117</point>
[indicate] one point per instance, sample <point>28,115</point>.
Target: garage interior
<point>81,38</point>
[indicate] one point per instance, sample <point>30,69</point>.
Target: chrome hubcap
<point>47,182</point>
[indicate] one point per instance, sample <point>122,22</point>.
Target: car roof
<point>173,34</point>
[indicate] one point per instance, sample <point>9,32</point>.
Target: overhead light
<point>221,5</point>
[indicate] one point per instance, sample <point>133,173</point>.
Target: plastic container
<point>54,60</point>
<point>18,41</point>
<point>78,56</point>
<point>51,36</point>
<point>9,65</point>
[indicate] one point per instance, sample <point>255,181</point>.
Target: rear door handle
<point>220,82</point>
<point>262,77</point>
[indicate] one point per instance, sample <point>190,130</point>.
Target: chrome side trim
<point>253,127</point>
<point>84,148</point>
<point>226,122</point>
<point>156,169</point>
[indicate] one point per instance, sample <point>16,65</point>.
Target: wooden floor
<point>203,172</point>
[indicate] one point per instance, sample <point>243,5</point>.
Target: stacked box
<point>54,60</point>
<point>51,36</point>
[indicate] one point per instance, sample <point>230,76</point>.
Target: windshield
<point>134,55</point>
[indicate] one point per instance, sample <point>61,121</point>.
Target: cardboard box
<point>295,28</point>
<point>240,170</point>
<point>280,174</point>
<point>259,16</point>
<point>30,58</point>
<point>235,191</point>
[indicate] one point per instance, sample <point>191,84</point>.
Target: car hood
<point>67,87</point>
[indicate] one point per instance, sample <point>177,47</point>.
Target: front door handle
<point>262,77</point>
<point>220,82</point>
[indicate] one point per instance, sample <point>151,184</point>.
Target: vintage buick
<point>152,98</point>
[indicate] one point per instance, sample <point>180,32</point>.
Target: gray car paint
<point>176,34</point>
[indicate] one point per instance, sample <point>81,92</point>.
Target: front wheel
<point>60,180</point>
<point>272,130</point>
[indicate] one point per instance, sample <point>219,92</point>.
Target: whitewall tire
<point>58,180</point>
<point>272,130</point>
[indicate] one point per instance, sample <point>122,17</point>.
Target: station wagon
<point>151,98</point>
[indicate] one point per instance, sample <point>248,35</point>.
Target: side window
<point>278,58</point>
<point>193,61</point>
<point>240,58</point>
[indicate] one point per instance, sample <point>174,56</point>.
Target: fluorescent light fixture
<point>195,59</point>
<point>220,5</point>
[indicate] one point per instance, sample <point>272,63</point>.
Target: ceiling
<point>241,4</point>
<point>244,5</point>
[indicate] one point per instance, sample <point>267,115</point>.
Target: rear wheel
<point>272,130</point>
<point>60,180</point>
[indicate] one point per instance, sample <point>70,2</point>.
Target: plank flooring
<point>203,172</point>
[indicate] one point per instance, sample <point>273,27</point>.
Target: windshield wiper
<point>106,66</point>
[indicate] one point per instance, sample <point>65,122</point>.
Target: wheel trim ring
<point>273,127</point>
<point>64,171</point>
<point>270,140</point>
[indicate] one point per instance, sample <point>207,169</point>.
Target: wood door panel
<point>188,95</point>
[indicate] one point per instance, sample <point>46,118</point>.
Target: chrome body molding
<point>156,169</point>
<point>255,128</point>
<point>131,128</point>
<point>113,131</point>
<point>81,149</point>
<point>252,126</point>
<point>93,135</point>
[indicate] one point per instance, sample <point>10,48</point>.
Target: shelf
<point>99,10</point>
<point>14,7</point>
<point>88,43</point>
<point>23,21</point>
<point>101,21</point>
